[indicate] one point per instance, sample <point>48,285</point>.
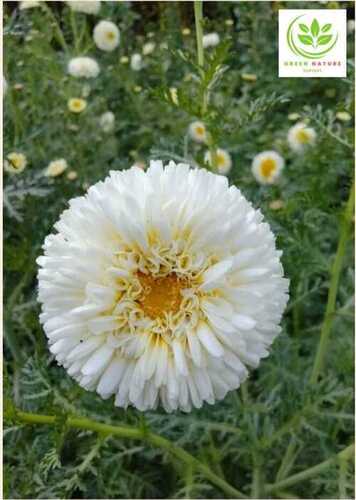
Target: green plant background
<point>278,424</point>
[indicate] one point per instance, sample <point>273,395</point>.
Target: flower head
<point>72,175</point>
<point>136,62</point>
<point>197,131</point>
<point>148,48</point>
<point>56,168</point>
<point>249,77</point>
<point>107,121</point>
<point>106,36</point>
<point>343,116</point>
<point>223,161</point>
<point>293,117</point>
<point>15,163</point>
<point>267,167</point>
<point>211,40</point>
<point>300,136</point>
<point>161,287</point>
<point>29,4</point>
<point>84,67</point>
<point>87,7</point>
<point>77,105</point>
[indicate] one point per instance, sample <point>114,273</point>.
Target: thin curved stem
<point>139,434</point>
<point>334,282</point>
<point>345,454</point>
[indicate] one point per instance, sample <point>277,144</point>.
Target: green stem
<point>342,478</point>
<point>58,31</point>
<point>73,23</point>
<point>135,433</point>
<point>198,13</point>
<point>335,276</point>
<point>345,454</point>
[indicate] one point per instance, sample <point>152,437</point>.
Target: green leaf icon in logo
<point>326,27</point>
<point>306,39</point>
<point>304,28</point>
<point>312,36</point>
<point>314,28</point>
<point>324,39</point>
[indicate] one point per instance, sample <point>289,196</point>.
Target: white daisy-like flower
<point>87,7</point>
<point>161,287</point>
<point>28,4</point>
<point>83,67</point>
<point>197,131</point>
<point>211,40</point>
<point>15,163</point>
<point>300,136</point>
<point>148,48</point>
<point>136,62</point>
<point>106,36</point>
<point>223,162</point>
<point>107,121</point>
<point>56,168</point>
<point>267,167</point>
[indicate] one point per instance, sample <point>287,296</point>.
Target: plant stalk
<point>334,282</point>
<point>135,433</point>
<point>345,454</point>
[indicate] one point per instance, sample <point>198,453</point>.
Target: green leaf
<point>304,28</point>
<point>306,39</point>
<point>326,27</point>
<point>324,39</point>
<point>314,28</point>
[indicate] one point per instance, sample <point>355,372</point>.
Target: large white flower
<point>87,7</point>
<point>83,67</point>
<point>161,287</point>
<point>106,36</point>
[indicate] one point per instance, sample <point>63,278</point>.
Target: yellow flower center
<point>200,130</point>
<point>110,35</point>
<point>220,159</point>
<point>303,136</point>
<point>268,166</point>
<point>160,295</point>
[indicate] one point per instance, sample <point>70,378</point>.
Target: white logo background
<point>332,64</point>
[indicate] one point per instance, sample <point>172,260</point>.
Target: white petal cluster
<point>87,7</point>
<point>29,4</point>
<point>222,159</point>
<point>267,167</point>
<point>161,287</point>
<point>211,40</point>
<point>136,62</point>
<point>107,121</point>
<point>106,36</point>
<point>148,48</point>
<point>197,131</point>
<point>83,67</point>
<point>301,136</point>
